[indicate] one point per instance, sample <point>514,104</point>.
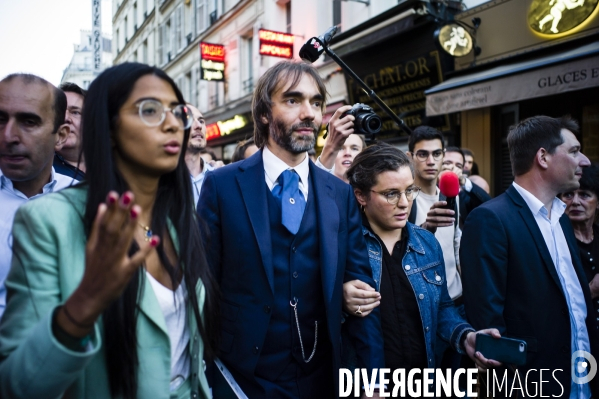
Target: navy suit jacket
<point>233,204</point>
<point>511,283</point>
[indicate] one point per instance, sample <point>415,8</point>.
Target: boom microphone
<point>449,185</point>
<point>314,47</point>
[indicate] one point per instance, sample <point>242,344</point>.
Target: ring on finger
<point>359,310</point>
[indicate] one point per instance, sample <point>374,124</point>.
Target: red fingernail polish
<point>111,199</point>
<point>133,214</point>
<point>154,242</point>
<point>126,199</point>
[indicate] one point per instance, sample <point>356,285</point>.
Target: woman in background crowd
<point>582,207</point>
<point>244,149</point>
<point>109,291</point>
<point>407,266</point>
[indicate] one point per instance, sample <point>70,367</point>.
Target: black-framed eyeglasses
<point>393,196</point>
<point>153,113</point>
<point>422,155</point>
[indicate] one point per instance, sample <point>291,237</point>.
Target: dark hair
<point>282,73</point>
<point>374,160</point>
<point>210,152</point>
<point>59,99</point>
<point>239,153</point>
<point>528,136</point>
<point>424,133</point>
<point>590,179</point>
<point>467,151</point>
<point>456,149</point>
<point>69,87</point>
<point>106,95</point>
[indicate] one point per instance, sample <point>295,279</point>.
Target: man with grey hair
<point>32,113</point>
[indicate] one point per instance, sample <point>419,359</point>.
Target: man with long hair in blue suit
<point>283,237</point>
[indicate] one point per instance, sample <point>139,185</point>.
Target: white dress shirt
<point>273,167</point>
<point>10,200</point>
<point>197,181</point>
<point>560,254</point>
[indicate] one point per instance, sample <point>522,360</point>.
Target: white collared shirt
<point>273,167</point>
<point>10,200</point>
<point>560,254</point>
<point>197,181</point>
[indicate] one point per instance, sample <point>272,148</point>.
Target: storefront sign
<point>559,16</point>
<point>276,44</point>
<point>562,78</point>
<point>212,61</point>
<point>224,128</point>
<point>401,86</point>
<point>454,39</point>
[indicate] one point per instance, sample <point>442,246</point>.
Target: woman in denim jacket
<point>407,266</point>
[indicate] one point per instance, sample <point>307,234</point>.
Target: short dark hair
<point>279,74</point>
<point>590,179</point>
<point>528,136</point>
<point>456,149</point>
<point>209,152</point>
<point>374,160</point>
<point>69,87</point>
<point>239,153</point>
<point>59,99</point>
<point>424,133</point>
<point>467,151</point>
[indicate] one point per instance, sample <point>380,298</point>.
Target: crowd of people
<point>135,264</point>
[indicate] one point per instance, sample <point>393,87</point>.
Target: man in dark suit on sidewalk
<point>520,265</point>
<point>284,237</point>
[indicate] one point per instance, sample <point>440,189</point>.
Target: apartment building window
<point>135,26</point>
<point>288,15</point>
<point>201,16</point>
<point>337,12</point>
<point>213,11</point>
<point>168,40</point>
<point>118,43</point>
<point>126,30</point>
<point>188,88</point>
<point>247,64</point>
<point>144,48</point>
<point>178,29</point>
<point>213,100</point>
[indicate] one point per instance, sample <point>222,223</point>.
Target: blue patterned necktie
<point>292,200</point>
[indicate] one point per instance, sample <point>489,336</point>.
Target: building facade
<point>169,33</point>
<point>81,69</point>
<point>536,58</point>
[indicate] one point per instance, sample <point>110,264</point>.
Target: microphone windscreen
<point>449,184</point>
<point>312,50</point>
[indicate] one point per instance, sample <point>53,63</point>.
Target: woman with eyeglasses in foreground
<point>109,294</point>
<point>407,266</point>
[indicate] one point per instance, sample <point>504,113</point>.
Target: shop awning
<point>575,69</point>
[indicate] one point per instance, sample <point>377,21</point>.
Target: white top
<point>175,316</point>
<point>10,200</point>
<point>449,238</point>
<point>197,181</point>
<point>560,254</point>
<point>273,167</point>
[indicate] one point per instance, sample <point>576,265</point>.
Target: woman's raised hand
<point>108,266</point>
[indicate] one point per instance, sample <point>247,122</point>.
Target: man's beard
<point>194,148</point>
<point>298,143</point>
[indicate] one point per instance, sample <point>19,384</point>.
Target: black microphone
<point>314,47</point>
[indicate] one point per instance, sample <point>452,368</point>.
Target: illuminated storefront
<point>546,63</point>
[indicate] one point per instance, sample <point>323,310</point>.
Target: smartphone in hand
<point>504,350</point>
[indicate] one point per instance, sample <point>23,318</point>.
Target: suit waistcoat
<point>297,276</point>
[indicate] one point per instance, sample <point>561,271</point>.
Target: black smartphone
<point>504,350</point>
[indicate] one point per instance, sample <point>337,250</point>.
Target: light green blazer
<point>47,266</point>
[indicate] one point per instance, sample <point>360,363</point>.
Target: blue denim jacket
<point>423,264</point>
